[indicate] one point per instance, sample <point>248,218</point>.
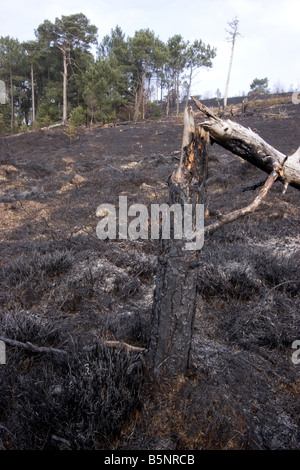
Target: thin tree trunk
<point>168,102</point>
<point>139,101</point>
<point>177,95</point>
<point>65,78</point>
<point>11,104</point>
<point>143,106</point>
<point>233,33</point>
<point>176,280</point>
<point>189,88</point>
<point>32,94</point>
<point>228,76</point>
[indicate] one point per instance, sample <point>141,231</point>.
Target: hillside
<point>62,287</point>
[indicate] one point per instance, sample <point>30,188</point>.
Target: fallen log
<point>32,347</point>
<point>251,147</point>
<point>49,350</point>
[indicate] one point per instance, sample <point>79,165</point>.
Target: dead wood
<point>32,347</point>
<point>176,280</point>
<point>250,146</point>
<point>227,218</point>
<point>48,350</point>
<point>114,344</point>
<point>175,294</point>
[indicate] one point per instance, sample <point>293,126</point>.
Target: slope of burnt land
<point>63,288</point>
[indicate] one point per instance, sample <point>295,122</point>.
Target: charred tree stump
<point>176,280</point>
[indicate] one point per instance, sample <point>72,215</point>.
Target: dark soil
<point>64,288</point>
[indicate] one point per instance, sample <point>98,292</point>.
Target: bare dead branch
<point>225,219</point>
<point>48,350</point>
<point>32,347</point>
<point>255,186</point>
<point>114,344</point>
<point>205,110</point>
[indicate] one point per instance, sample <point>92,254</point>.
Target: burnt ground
<point>64,288</point>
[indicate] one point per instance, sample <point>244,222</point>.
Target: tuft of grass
<point>272,101</point>
<point>28,277</point>
<point>76,402</point>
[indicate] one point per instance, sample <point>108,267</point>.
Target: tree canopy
<point>125,78</point>
<point>259,86</point>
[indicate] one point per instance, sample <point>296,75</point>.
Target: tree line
<point>56,76</point>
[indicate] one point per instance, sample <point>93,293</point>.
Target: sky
<point>268,45</point>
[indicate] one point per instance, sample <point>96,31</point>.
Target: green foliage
<point>115,47</point>
<point>198,55</point>
<point>74,30</point>
<point>118,84</point>
<point>4,118</point>
<point>70,131</point>
<point>259,86</point>
<point>146,52</point>
<point>47,120</point>
<point>177,50</point>
<point>2,124</point>
<point>155,111</point>
<point>13,68</point>
<point>47,110</point>
<point>78,116</point>
<point>23,128</point>
<point>68,34</point>
<point>104,90</point>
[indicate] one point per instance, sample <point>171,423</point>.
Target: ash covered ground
<point>63,288</point>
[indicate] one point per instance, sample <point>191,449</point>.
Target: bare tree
<point>233,33</point>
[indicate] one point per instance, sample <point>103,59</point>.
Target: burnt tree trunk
<point>176,280</point>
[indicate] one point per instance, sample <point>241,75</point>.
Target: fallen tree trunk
<point>251,147</point>
<point>49,350</point>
